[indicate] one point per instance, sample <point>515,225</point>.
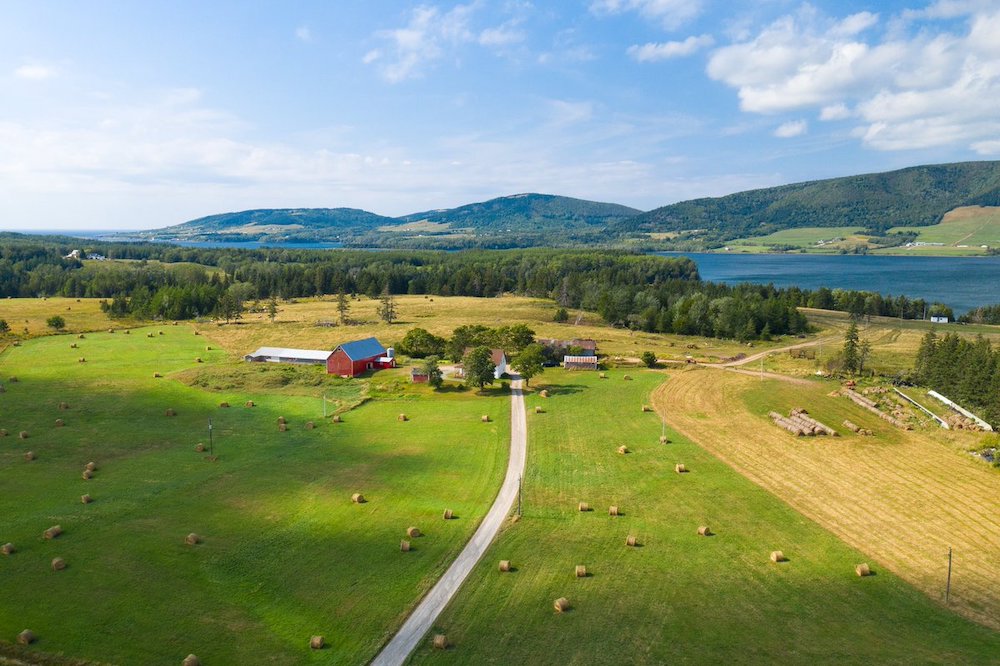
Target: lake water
<point>960,282</point>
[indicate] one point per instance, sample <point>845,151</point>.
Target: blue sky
<point>141,114</point>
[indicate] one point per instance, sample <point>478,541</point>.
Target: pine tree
<point>272,309</point>
<point>343,307</point>
<point>851,357</point>
<point>387,306</point>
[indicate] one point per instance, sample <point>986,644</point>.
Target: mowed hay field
<point>678,597</point>
<point>284,553</point>
<point>900,497</point>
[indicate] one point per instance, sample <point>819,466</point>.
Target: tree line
<point>966,371</point>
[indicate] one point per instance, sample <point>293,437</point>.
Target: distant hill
<point>527,212</point>
<point>916,196</point>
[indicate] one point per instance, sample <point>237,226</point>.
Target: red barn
<point>353,358</point>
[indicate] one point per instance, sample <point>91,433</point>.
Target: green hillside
<point>274,224</point>
<point>527,212</point>
<point>914,197</point>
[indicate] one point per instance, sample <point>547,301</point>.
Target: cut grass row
<point>680,597</point>
<point>285,554</point>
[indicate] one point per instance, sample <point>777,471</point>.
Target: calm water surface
<point>960,282</point>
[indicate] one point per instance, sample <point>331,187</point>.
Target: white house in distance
<point>500,361</point>
<point>935,319</point>
<point>285,355</point>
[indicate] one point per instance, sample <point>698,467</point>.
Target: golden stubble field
<point>901,497</point>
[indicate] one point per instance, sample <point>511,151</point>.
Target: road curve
<point>422,619</point>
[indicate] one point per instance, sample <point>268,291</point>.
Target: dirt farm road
<point>422,619</point>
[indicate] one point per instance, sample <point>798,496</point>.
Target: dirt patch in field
<point>903,499</point>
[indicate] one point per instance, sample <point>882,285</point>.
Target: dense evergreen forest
<point>646,292</point>
<point>967,371</point>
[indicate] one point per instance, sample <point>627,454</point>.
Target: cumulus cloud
<point>303,34</point>
<point>932,85</point>
<point>503,35</point>
<point>652,52</point>
<point>34,72</point>
<point>791,129</point>
<point>670,13</point>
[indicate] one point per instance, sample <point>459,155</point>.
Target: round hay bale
<point>544,393</point>
<point>281,419</point>
<point>13,379</point>
<point>250,403</point>
<point>401,417</point>
<point>149,335</point>
<point>603,375</point>
<point>7,549</point>
<point>863,570</point>
<point>191,660</point>
<point>192,539</point>
<point>81,360</point>
<point>440,642</point>
<point>627,378</point>
<point>358,498</point>
<point>157,375</point>
<point>704,531</point>
<point>87,475</point>
<point>128,332</point>
<point>505,566</point>
<point>81,336</point>
<point>631,541</point>
<point>310,425</point>
<point>23,434</point>
<point>778,556</point>
<point>160,332</point>
<point>404,546</point>
<point>29,455</point>
<point>26,637</point>
<point>613,510</point>
<point>282,427</point>
<point>581,571</point>
<point>448,515</point>
<point>3,432</point>
<point>647,408</point>
<point>86,499</point>
<point>92,466</point>
<point>317,642</point>
<point>623,449</point>
<point>412,532</point>
<point>111,330</point>
<point>663,439</point>
<point>170,412</point>
<point>199,447</point>
<point>73,346</point>
<point>60,423</point>
<point>58,564</point>
<point>539,410</point>
<point>561,604</point>
<point>224,405</point>
<point>198,359</point>
<point>63,406</point>
<point>583,506</point>
<point>485,418</point>
<point>680,468</point>
<point>337,419</point>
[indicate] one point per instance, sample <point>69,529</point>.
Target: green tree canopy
<point>479,367</point>
<point>56,322</point>
<point>420,343</point>
<point>530,362</point>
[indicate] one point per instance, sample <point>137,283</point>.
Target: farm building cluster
<point>349,359</point>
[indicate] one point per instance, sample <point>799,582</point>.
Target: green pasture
<point>679,597</point>
<point>285,554</point>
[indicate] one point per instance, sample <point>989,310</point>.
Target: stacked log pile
<point>870,405</point>
<point>799,423</point>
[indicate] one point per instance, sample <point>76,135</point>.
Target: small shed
<point>353,358</point>
<point>580,362</point>
<point>938,320</point>
<point>418,376</point>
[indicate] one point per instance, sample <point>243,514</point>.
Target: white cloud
<point>653,52</point>
<point>670,13</point>
<point>935,85</point>
<point>503,35</point>
<point>303,34</point>
<point>566,113</point>
<point>34,72</point>
<point>791,129</point>
<point>835,112</point>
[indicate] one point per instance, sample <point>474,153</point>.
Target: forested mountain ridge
<point>915,196</point>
